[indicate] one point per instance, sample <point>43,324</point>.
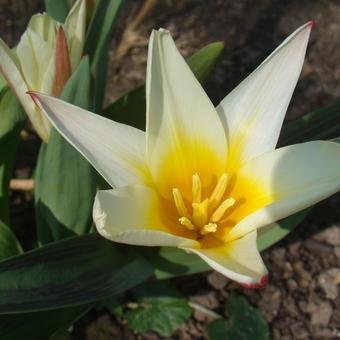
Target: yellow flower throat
<point>204,215</point>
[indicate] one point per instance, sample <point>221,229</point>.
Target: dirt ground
<point>302,298</point>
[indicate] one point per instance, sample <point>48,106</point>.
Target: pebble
<point>217,280</point>
<point>330,236</point>
<point>328,281</point>
<point>322,314</point>
<point>337,252</point>
<point>299,331</point>
<point>208,300</point>
<point>318,248</point>
<point>270,302</point>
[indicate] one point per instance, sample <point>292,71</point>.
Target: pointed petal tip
<point>311,23</point>
<point>261,284</point>
<point>33,95</point>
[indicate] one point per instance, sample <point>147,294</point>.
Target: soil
<point>302,298</point>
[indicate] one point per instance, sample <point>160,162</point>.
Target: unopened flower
<point>203,179</point>
<point>46,56</point>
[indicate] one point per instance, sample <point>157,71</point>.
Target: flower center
<point>204,214</point>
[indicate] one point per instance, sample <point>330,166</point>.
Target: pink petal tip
<point>311,23</point>
<point>263,282</point>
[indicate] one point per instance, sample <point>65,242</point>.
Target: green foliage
<point>130,109</point>
<point>321,124</point>
<point>245,322</point>
<point>71,272</point>
<point>159,308</point>
<point>39,325</point>
<point>65,182</point>
<point>97,43</point>
<point>57,9</point>
<point>9,245</point>
<point>12,121</point>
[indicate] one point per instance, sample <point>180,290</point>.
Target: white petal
<point>238,260</point>
<point>116,150</point>
<point>45,27</point>
<point>133,215</point>
<point>75,25</point>
<point>9,67</point>
<point>35,57</point>
<point>253,112</point>
<point>184,132</point>
<point>296,177</point>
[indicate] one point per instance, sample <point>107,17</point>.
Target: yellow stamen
<point>208,228</point>
<point>200,213</point>
<point>186,222</point>
<point>219,212</point>
<point>179,202</point>
<point>196,189</point>
<point>218,192</point>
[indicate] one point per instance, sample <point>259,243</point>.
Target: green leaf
<point>3,83</point>
<point>159,308</point>
<point>12,119</point>
<point>245,322</point>
<point>203,61</point>
<point>9,245</point>
<point>321,124</point>
<point>65,182</point>
<point>39,325</point>
<point>130,109</point>
<point>269,235</point>
<point>57,9</point>
<point>97,44</point>
<point>67,273</point>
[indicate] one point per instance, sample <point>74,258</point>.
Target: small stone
<point>294,248</point>
<point>292,285</point>
<point>318,248</point>
<point>217,280</point>
<point>322,314</point>
<point>270,302</point>
<point>208,300</point>
<point>328,281</point>
<point>299,331</point>
<point>337,252</point>
<point>330,236</point>
<point>303,283</point>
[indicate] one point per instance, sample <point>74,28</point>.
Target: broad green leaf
<point>9,245</point>
<point>321,124</point>
<point>3,83</point>
<point>57,9</point>
<point>12,119</point>
<point>130,109</point>
<point>244,322</point>
<point>70,272</point>
<point>274,232</point>
<point>39,325</point>
<point>159,308</point>
<point>97,43</point>
<point>64,181</point>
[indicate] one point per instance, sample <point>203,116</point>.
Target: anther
<point>220,211</point>
<point>208,228</point>
<point>196,189</point>
<point>179,202</point>
<point>200,213</point>
<point>218,192</point>
<point>186,222</point>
